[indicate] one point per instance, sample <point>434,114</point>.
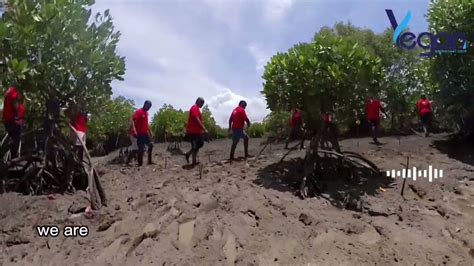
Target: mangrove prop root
<point>48,163</point>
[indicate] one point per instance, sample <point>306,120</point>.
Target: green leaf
<point>36,17</point>
<point>23,65</point>
<point>15,64</point>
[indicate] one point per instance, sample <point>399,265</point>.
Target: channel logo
<point>441,42</point>
<point>431,173</point>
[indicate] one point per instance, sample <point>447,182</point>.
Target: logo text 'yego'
<point>443,42</point>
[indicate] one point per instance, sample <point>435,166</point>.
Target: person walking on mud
<point>425,112</point>
<point>237,121</point>
<point>142,130</point>
<point>13,118</point>
<point>195,131</point>
<point>374,106</point>
<point>329,130</point>
<point>296,128</point>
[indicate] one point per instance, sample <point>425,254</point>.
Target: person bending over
<point>426,114</point>
<point>296,128</point>
<point>79,123</point>
<point>13,118</point>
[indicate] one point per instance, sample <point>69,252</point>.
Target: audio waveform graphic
<point>414,173</point>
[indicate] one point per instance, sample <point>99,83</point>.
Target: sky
<point>178,50</point>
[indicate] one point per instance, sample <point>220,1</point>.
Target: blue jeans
<point>238,133</point>
<point>142,140</point>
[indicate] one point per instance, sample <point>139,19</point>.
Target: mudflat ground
<point>247,212</point>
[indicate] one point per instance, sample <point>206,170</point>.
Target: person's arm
<point>16,105</point>
<point>132,124</point>
<point>301,123</point>
<point>150,133</point>
<point>230,122</point>
<point>196,118</point>
<point>383,110</point>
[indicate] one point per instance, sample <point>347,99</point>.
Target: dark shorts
<point>143,140</point>
<point>374,122</point>
<point>196,140</point>
<point>331,128</point>
<point>238,133</point>
<point>296,133</point>
<point>426,118</point>
<point>13,130</point>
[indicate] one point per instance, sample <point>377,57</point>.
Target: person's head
<point>374,95</point>
<point>243,104</point>
<point>72,108</point>
<point>200,102</point>
<point>423,96</point>
<point>147,105</point>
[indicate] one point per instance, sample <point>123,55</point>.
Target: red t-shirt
<point>140,119</point>
<point>326,117</point>
<point>9,111</point>
<point>239,116</point>
<point>80,122</point>
<point>192,127</point>
<point>21,111</point>
<point>373,109</point>
<point>424,106</point>
<point>295,118</point>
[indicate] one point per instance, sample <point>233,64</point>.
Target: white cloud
<point>276,10</point>
<point>261,56</point>
<point>222,104</point>
<point>228,12</point>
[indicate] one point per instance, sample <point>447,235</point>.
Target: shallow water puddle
<point>466,206</point>
<point>186,231</point>
<point>230,250</point>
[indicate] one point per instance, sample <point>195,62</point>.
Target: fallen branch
<point>288,152</point>
<point>264,147</point>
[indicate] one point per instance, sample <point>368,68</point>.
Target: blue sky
<point>177,50</point>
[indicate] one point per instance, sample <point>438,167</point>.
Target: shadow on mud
<point>341,190</point>
<point>460,149</point>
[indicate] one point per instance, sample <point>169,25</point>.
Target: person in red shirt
<point>13,118</point>
<point>329,130</point>
<point>374,106</point>
<point>79,123</point>
<point>296,128</point>
<point>142,130</point>
<point>237,121</point>
<point>425,112</point>
<point>132,153</point>
<point>195,130</point>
